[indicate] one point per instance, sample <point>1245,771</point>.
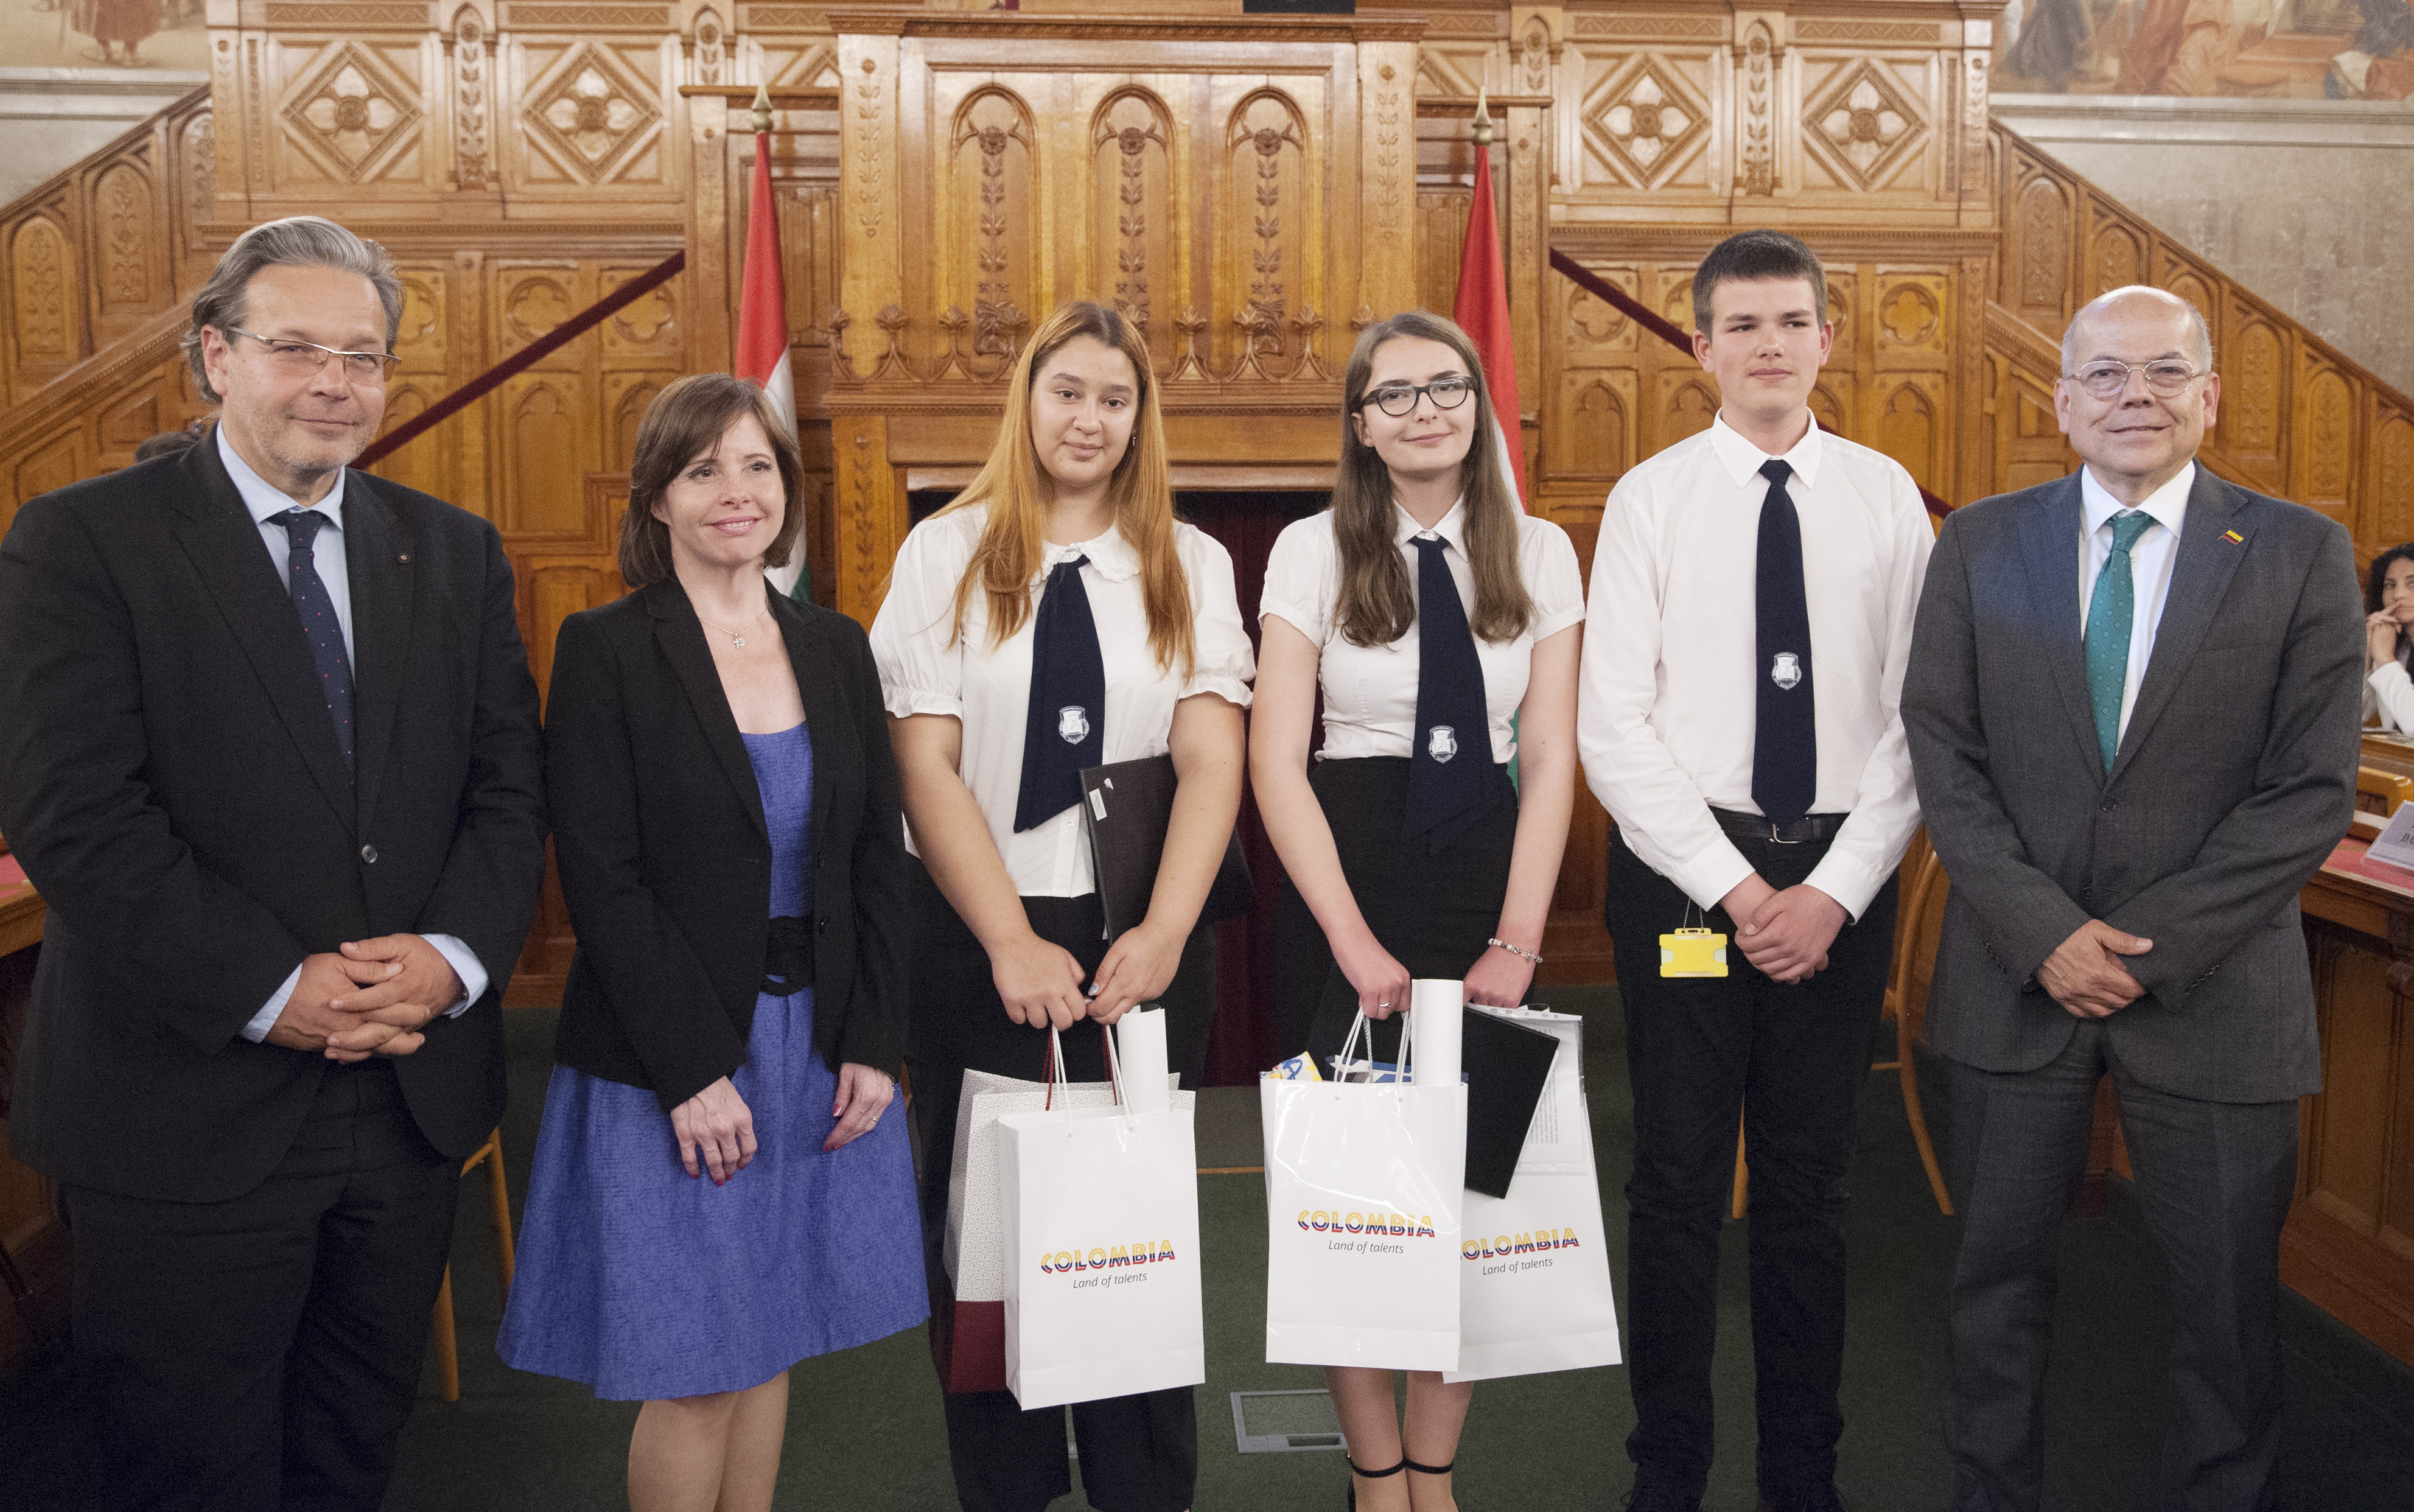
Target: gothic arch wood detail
<point>1267,214</point>
<point>1134,246</point>
<point>990,208</point>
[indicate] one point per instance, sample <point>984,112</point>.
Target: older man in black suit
<point>2132,705</point>
<point>269,746</point>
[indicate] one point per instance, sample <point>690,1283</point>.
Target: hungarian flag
<point>763,319</point>
<point>1482,313</point>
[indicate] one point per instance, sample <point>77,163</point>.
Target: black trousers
<point>2215,1181</point>
<point>1139,1453</point>
<point>1433,913</point>
<point>1791,1061</point>
<point>260,1355</point>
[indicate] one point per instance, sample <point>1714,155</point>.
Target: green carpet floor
<point>865,1433</point>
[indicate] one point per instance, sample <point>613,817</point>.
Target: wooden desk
<point>2349,1243</point>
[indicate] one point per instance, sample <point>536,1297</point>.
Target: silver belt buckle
<point>1775,836</point>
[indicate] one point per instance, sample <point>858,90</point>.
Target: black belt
<point>788,957</point>
<point>1805,831</point>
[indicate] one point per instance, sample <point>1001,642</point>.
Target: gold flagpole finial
<point>1483,120</point>
<point>762,109</point>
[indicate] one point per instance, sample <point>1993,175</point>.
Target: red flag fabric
<point>1482,312</point>
<point>763,331</point>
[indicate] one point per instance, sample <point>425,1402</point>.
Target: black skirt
<point>1433,912</point>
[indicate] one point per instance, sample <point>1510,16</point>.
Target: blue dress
<point>647,1283</point>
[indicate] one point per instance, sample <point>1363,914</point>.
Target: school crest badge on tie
<point>1442,744</point>
<point>1073,724</point>
<point>1786,672</point>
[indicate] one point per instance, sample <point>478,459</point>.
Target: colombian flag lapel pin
<point>2233,538</point>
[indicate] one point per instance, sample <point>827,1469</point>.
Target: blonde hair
<point>1376,606</point>
<point>1017,490</point>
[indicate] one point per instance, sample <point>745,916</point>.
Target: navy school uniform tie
<point>1785,732</point>
<point>1452,781</point>
<point>1064,728</point>
<point>320,627</point>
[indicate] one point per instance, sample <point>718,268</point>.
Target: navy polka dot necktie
<point>320,627</point>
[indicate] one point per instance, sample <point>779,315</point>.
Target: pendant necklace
<point>735,639</point>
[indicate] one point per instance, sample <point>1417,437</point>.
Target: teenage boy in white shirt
<point>1752,594</point>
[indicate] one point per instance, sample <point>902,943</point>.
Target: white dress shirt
<point>263,499</point>
<point>2389,693</point>
<point>2151,556</point>
<point>925,670</point>
<point>1668,705</point>
<point>1370,692</point>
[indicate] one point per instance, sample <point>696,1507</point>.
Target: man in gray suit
<point>2132,707</point>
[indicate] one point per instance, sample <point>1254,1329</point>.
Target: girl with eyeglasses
<point>1441,623</point>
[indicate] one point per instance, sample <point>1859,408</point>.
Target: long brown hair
<point>1016,490</point>
<point>1376,606</point>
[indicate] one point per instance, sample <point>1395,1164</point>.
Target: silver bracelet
<point>1504,945</point>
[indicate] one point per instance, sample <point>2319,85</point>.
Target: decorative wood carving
<point>354,117</point>
<point>2393,480</point>
<point>1266,144</point>
<point>1133,174</point>
<point>992,206</point>
<point>1756,172</point>
<point>471,169</point>
<point>592,118</point>
<point>41,275</point>
<point>127,238</point>
<point>200,153</point>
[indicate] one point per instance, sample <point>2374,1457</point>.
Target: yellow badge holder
<point>1694,950</point>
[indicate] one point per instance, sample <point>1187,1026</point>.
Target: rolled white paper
<point>1139,1045</point>
<point>1434,1010</point>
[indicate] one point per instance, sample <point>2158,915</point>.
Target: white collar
<point>1451,527</point>
<point>263,497</point>
<point>1110,556</point>
<point>2168,504</point>
<point>1743,459</point>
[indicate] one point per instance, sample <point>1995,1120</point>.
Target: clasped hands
<point>1040,982</point>
<point>1785,935</point>
<point>2085,973</point>
<point>369,998</point>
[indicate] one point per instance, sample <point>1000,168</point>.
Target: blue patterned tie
<point>2110,610</point>
<point>320,626</point>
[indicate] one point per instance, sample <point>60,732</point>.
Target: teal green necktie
<point>2110,611</point>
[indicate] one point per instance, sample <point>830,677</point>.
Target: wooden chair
<point>448,1348</point>
<point>1927,878</point>
<point>2379,791</point>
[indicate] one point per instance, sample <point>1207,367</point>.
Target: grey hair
<point>2202,332</point>
<point>296,242</point>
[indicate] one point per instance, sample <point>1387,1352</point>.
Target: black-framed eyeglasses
<point>1396,399</point>
<point>2108,379</point>
<point>307,359</point>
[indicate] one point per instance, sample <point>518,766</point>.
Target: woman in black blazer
<point>725,815</point>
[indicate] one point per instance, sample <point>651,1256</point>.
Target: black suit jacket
<point>666,860</point>
<point>170,778</point>
<point>2234,779</point>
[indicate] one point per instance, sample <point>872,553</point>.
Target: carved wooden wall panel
<point>2392,479</point>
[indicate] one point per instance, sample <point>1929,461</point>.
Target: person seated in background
<point>2389,649</point>
<point>725,815</point>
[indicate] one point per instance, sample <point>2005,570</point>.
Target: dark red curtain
<point>1243,1041</point>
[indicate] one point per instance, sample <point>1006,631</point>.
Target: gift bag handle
<point>1055,1071</point>
<point>1359,1025</point>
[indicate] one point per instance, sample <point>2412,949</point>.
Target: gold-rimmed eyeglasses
<point>307,359</point>
<point>2109,379</point>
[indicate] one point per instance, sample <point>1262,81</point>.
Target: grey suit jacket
<point>2232,783</point>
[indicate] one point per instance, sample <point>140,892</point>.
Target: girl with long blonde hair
<point>1057,616</point>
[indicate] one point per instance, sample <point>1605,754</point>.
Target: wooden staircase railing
<point>2297,419</point>
<point>97,264</point>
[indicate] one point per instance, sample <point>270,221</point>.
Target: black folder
<point>1507,1064</point>
<point>1126,808</point>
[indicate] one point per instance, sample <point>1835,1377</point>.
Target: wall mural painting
<point>104,34</point>
<point>2270,48</point>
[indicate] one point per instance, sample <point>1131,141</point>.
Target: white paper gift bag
<point>967,1337</point>
<point>1534,1287</point>
<point>1100,1227</point>
<point>1363,1193</point>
